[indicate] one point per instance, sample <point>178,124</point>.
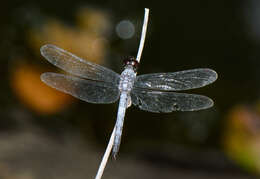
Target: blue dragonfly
<point>156,92</point>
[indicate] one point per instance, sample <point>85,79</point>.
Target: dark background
<point>45,134</point>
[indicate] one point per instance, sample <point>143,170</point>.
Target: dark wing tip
<point>44,49</point>
<point>208,103</point>
<point>213,75</point>
<point>201,103</point>
<point>45,77</point>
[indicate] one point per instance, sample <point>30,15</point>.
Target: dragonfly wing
<point>86,90</point>
<point>165,101</point>
<point>77,66</point>
<point>176,81</point>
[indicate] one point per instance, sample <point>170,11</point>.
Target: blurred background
<point>47,134</point>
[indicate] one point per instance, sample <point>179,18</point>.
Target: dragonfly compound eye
<point>130,60</point>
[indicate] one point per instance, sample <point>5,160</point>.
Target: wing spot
<point>176,106</point>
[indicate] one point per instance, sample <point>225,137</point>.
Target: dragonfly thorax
<point>127,79</point>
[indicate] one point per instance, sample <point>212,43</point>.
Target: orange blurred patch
<point>26,83</point>
<point>93,20</point>
<point>85,44</point>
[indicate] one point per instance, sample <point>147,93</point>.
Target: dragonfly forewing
<point>163,101</point>
<point>86,90</point>
<point>77,66</point>
<point>176,81</point>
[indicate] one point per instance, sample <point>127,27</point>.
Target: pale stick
<point>141,45</point>
<point>111,140</point>
<point>106,156</point>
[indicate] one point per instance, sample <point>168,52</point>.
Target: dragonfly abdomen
<point>120,122</point>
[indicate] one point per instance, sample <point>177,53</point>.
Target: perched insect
<point>150,92</point>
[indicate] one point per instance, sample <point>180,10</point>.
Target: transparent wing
<point>86,90</point>
<point>164,101</point>
<point>176,81</point>
<point>77,66</point>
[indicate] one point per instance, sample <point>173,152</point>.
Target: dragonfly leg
<point>129,101</point>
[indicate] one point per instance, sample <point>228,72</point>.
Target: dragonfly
<point>155,92</point>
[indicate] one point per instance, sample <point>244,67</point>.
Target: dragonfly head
<point>131,61</point>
